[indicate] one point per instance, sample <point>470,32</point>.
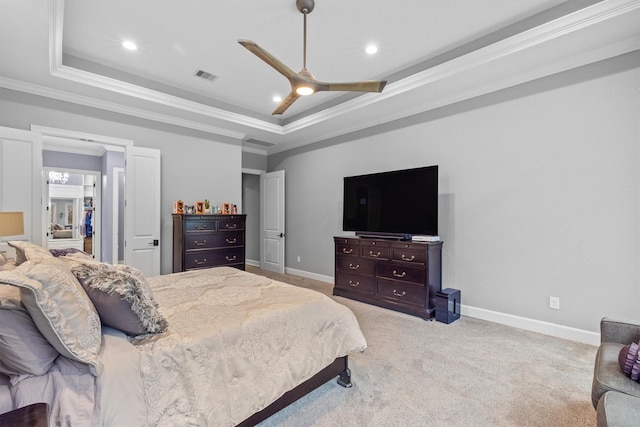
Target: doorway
<point>72,211</point>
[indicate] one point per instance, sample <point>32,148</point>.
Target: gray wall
<point>254,161</point>
<point>194,166</point>
<point>539,193</point>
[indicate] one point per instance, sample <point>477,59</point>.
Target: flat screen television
<point>398,204</point>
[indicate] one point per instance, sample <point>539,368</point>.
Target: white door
<point>272,224</point>
<point>21,180</point>
<point>142,210</point>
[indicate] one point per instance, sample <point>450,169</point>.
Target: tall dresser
<point>202,241</point>
<point>400,275</point>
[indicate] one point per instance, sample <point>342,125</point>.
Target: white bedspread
<point>236,342</point>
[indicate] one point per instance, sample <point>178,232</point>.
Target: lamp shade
<point>11,224</point>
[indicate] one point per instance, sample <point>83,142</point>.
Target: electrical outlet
<point>298,258</point>
<point>554,302</point>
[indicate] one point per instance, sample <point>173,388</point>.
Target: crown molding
<point>87,101</point>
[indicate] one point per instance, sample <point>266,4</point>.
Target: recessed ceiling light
<point>277,98</point>
<point>129,45</point>
<point>371,49</point>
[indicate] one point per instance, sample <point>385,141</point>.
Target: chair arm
<point>620,331</point>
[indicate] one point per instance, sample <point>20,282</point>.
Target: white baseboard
<point>252,262</point>
<point>552,329</point>
<point>314,276</point>
<point>559,331</point>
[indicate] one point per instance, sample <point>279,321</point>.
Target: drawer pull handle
<point>231,258</point>
<point>231,242</point>
<point>231,226</point>
<point>200,227</point>
<point>347,251</point>
<point>204,243</point>
<point>406,258</point>
<point>376,255</point>
<point>395,273</point>
<point>204,261</point>
<point>354,267</point>
<point>399,294</point>
<point>353,284</point>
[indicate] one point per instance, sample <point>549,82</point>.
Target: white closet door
<point>21,179</point>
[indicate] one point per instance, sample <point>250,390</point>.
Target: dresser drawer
<point>347,249</point>
<point>401,272</point>
<point>374,252</point>
<point>230,224</point>
<point>212,258</point>
<point>199,241</point>
<point>203,224</point>
<point>213,240</point>
<point>354,283</point>
<point>406,293</point>
<point>354,265</point>
<point>353,241</point>
<point>226,239</point>
<point>409,255</point>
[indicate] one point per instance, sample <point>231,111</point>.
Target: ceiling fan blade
<point>286,103</point>
<point>268,58</point>
<point>364,86</point>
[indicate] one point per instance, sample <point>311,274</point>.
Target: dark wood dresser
<point>399,275</point>
<point>202,241</point>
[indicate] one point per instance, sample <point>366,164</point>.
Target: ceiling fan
<point>304,83</point>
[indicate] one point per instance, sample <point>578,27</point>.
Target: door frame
<point>115,235</point>
<point>68,141</point>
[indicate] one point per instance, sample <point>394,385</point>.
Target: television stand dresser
<point>202,241</point>
<point>400,275</point>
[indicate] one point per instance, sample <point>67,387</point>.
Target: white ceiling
<point>433,52</point>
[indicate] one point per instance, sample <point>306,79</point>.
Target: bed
<point>219,346</point>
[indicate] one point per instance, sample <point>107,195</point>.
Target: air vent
<point>204,75</point>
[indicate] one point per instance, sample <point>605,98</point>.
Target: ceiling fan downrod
<point>305,7</point>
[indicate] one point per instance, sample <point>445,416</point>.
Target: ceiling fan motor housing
<point>305,6</point>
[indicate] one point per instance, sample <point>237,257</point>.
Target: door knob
<point>281,234</point>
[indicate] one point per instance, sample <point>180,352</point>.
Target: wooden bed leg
<point>344,377</point>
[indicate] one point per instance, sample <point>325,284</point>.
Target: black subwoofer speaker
<point>448,305</point>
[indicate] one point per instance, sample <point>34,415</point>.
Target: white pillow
<point>60,308</point>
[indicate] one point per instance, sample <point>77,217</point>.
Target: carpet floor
<point>467,373</point>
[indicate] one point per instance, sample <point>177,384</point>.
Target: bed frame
<point>339,368</point>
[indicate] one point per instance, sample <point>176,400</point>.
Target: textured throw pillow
<point>68,251</point>
<point>629,362</point>
<point>24,351</point>
<point>60,308</point>
<point>26,251</point>
<point>121,296</point>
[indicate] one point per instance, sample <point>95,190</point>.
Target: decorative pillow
<point>60,308</point>
<point>629,362</point>
<point>122,297</point>
<point>26,251</point>
<point>24,350</point>
<point>68,251</point>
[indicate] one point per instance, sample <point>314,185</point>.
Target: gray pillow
<point>60,308</point>
<point>121,296</point>
<point>24,350</point>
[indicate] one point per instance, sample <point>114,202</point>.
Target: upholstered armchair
<point>615,396</point>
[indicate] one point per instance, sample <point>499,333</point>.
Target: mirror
<point>71,205</point>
